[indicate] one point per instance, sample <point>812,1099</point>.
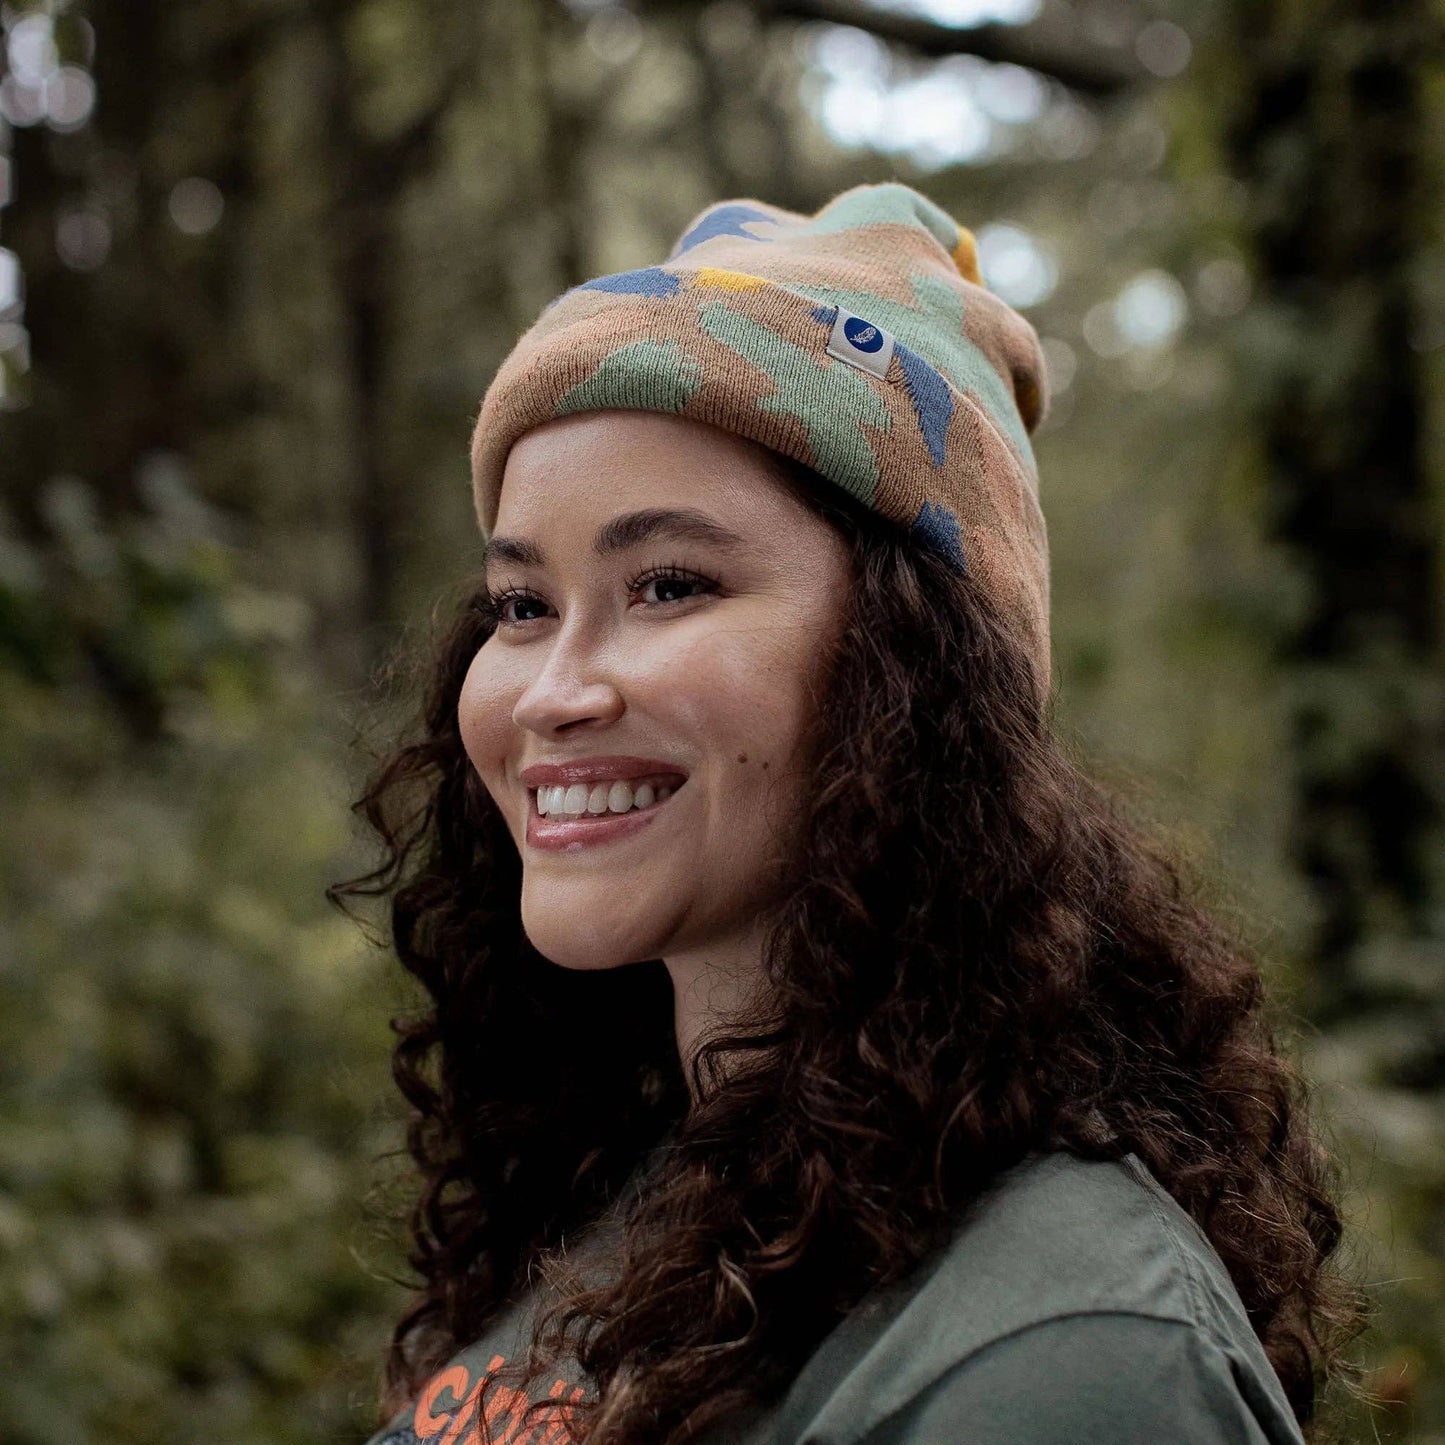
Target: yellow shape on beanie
<point>965,257</point>
<point>729,280</point>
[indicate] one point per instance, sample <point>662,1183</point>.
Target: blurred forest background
<point>258,259</point>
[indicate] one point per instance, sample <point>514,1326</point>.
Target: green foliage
<point>191,1043</point>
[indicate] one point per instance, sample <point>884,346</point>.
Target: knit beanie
<point>859,341</point>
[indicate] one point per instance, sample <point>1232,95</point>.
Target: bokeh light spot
<point>932,117</point>
<point>82,238</point>
<point>31,50</point>
<point>12,290</point>
<point>963,12</point>
<point>614,35</point>
<point>1163,48</point>
<point>1222,286</point>
<point>1009,93</point>
<point>848,53</point>
<point>1067,129</point>
<point>1150,310</point>
<point>1061,361</point>
<point>1148,370</point>
<point>22,102</point>
<point>196,205</point>
<point>1015,266</point>
<point>1100,330</point>
<point>69,98</point>
<point>936,121</point>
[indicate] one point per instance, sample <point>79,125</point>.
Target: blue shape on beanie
<point>825,314</point>
<point>937,528</point>
<point>725,221</point>
<point>650,281</point>
<point>932,400</point>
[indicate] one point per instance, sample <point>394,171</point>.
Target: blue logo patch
<point>863,334</point>
<point>860,343</point>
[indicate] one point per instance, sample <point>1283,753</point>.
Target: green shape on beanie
<point>832,401</point>
<point>891,204</point>
<point>643,375</point>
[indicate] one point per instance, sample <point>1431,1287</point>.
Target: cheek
<point>750,702</point>
<point>484,710</point>
<point>746,691</point>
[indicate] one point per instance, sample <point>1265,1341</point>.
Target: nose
<point>570,688</point>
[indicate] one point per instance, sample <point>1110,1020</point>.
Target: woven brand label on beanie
<point>860,343</point>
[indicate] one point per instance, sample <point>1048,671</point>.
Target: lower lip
<point>555,836</point>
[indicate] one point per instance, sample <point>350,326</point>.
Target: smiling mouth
<point>603,801</point>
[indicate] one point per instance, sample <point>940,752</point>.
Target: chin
<point>581,950</point>
<point>582,962</point>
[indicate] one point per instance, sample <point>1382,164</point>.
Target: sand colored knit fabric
<point>859,341</point>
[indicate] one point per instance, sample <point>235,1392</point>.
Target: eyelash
<point>490,604</point>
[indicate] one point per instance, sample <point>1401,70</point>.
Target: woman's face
<point>703,671</point>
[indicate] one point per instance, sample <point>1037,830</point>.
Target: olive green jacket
<point>1077,1303</point>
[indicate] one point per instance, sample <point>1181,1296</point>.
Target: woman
<point>812,1053</point>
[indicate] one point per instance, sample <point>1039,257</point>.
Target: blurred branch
<point>254,38</point>
<point>392,164</point>
<point>1054,45</point>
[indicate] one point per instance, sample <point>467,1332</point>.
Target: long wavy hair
<point>978,955</point>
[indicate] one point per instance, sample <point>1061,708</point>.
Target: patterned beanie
<point>859,341</point>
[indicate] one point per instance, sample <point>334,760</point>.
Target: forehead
<point>583,470</point>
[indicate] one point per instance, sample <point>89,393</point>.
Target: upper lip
<point>590,770</point>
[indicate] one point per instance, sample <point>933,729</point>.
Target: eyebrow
<point>630,529</point>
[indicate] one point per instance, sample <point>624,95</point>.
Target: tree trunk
<point>1330,136</point>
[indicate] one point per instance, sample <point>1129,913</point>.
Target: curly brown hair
<point>978,955</point>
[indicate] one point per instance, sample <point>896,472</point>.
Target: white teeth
<point>615,797</point>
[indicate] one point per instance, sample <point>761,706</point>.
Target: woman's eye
<point>666,586</point>
<point>492,607</point>
<point>672,584</point>
<point>518,599</point>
